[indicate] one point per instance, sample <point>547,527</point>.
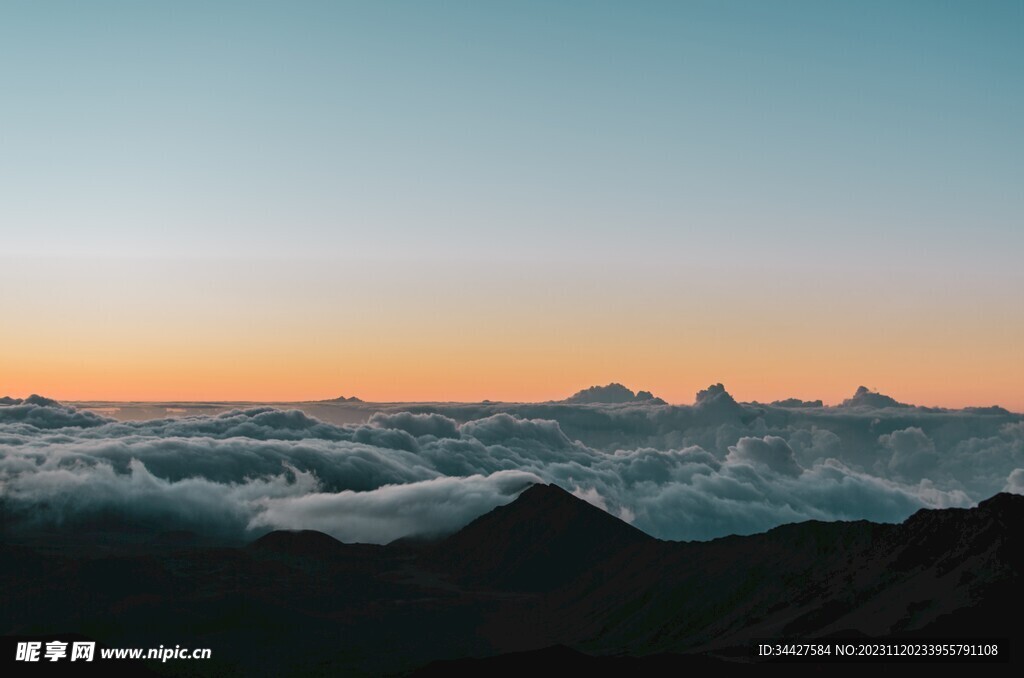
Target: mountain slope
<point>806,580</point>
<point>546,570</point>
<point>541,541</point>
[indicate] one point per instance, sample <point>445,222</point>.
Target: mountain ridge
<point>546,570</point>
<point>539,541</point>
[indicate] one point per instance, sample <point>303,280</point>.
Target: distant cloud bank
<point>701,471</point>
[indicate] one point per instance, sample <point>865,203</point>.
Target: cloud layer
<point>678,472</point>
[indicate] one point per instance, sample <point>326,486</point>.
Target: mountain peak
<point>305,543</point>
<point>1004,502</point>
<point>542,540</point>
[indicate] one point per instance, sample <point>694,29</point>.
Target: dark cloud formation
<point>912,452</point>
<point>865,397</point>
<point>771,453</point>
<point>37,412</point>
<point>612,394</point>
<point>678,472</point>
<point>796,402</point>
<point>418,425</point>
<point>715,396</point>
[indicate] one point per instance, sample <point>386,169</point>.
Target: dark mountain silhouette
<point>546,578</point>
<point>816,578</point>
<point>307,544</point>
<point>298,542</point>
<point>543,540</point>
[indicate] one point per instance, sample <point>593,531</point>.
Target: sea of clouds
<point>710,469</point>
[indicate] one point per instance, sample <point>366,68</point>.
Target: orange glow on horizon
<point>514,339</point>
<point>417,381</point>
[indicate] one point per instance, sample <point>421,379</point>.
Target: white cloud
<point>677,472</point>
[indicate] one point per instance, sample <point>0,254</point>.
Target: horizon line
<point>355,400</point>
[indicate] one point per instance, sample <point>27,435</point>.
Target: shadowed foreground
<point>547,577</point>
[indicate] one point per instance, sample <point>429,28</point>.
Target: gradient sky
<point>466,200</point>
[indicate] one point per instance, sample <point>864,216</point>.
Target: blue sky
<point>867,148</point>
<point>273,128</point>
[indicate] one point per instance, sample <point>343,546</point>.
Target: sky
<point>468,200</point>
